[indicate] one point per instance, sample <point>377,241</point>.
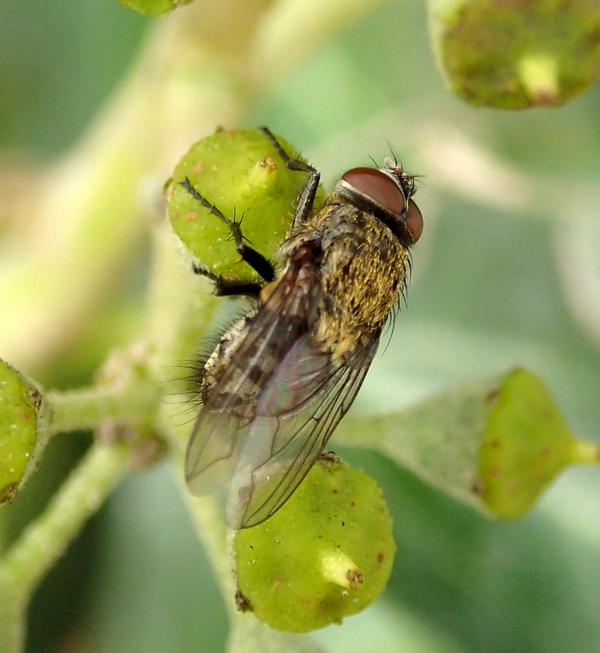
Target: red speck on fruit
<point>477,486</point>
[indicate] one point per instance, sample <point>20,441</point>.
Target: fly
<point>285,372</point>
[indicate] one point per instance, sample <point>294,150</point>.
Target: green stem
<point>212,531</point>
<point>207,517</point>
<point>180,309</point>
<point>87,408</point>
<point>46,538</point>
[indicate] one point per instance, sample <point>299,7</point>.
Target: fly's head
<point>387,194</point>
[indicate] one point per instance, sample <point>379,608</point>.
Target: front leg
<point>306,200</point>
<point>254,259</point>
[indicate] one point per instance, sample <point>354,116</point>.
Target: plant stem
<point>247,635</point>
<point>87,408</point>
<point>47,537</point>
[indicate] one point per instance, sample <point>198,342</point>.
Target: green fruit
<point>242,175</point>
<point>20,404</point>
<point>326,554</point>
<point>153,6</point>
<point>517,54</point>
<point>527,442</point>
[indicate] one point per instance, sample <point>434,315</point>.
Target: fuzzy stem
<point>47,537</point>
<point>180,309</point>
<point>88,408</point>
<point>248,634</point>
<point>212,531</point>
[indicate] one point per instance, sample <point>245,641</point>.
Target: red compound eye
<point>378,186</point>
<point>414,221</point>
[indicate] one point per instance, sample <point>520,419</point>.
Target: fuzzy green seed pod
<point>518,54</point>
<point>20,410</point>
<point>242,175</point>
<point>326,554</point>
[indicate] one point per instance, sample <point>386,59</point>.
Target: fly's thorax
<point>362,269</point>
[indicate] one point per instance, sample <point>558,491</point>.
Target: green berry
<point>153,6</point>
<point>518,54</point>
<point>526,443</point>
<point>20,406</point>
<point>243,176</point>
<point>326,554</point>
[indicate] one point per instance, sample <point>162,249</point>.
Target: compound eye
<point>378,186</point>
<point>414,221</point>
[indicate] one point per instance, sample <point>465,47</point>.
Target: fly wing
<point>228,412</point>
<point>274,406</point>
<point>296,414</point>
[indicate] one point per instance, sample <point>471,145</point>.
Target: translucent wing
<point>296,414</point>
<point>274,406</point>
<point>225,417</point>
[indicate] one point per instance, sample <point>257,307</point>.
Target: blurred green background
<point>493,287</point>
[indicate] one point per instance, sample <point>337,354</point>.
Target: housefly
<point>284,374</point>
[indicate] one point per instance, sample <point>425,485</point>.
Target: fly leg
<point>225,287</point>
<point>306,199</point>
<point>259,263</point>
